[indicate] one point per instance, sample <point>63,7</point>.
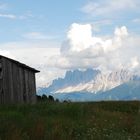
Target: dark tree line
<point>49,98</point>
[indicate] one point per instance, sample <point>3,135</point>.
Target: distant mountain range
<point>93,85</point>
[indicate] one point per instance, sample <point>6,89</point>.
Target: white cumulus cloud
<point>82,49</point>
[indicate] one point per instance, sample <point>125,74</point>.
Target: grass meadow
<point>71,121</point>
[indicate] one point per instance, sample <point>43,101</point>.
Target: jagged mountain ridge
<point>100,83</point>
<point>72,78</point>
<point>90,80</point>
<point>125,91</point>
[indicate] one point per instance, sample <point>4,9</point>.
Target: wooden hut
<point>17,82</point>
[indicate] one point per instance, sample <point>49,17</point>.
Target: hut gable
<point>17,82</point>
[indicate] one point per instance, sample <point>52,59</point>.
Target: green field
<point>71,121</point>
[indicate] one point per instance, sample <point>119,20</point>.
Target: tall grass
<point>71,121</point>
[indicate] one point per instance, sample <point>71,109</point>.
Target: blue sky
<point>52,18</point>
<point>48,33</point>
<point>49,17</point>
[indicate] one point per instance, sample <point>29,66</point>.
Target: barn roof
<point>20,64</point>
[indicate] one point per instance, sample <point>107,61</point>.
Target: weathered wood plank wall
<point>17,84</point>
<point>1,83</point>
